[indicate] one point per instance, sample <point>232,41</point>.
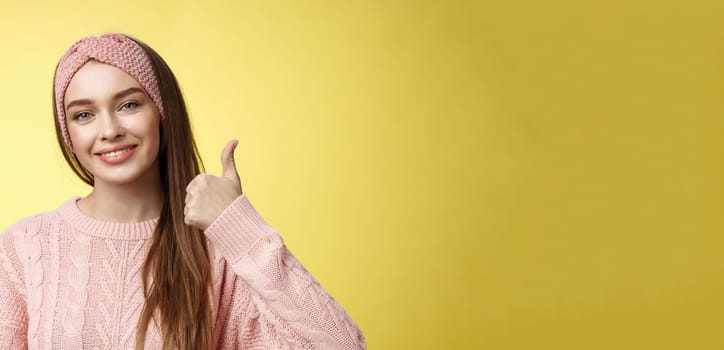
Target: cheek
<point>80,137</point>
<point>148,130</point>
<point>152,133</point>
<point>82,140</point>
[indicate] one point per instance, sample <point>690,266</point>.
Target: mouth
<point>116,155</point>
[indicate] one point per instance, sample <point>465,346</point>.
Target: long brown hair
<point>178,298</point>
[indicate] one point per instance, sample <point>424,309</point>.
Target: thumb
<point>228,165</point>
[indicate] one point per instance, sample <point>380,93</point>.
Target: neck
<point>132,202</point>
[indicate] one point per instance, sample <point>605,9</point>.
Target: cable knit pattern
<point>14,325</point>
<point>54,276</point>
<point>34,273</point>
<point>77,293</point>
<point>69,281</point>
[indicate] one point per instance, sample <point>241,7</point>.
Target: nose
<point>110,127</point>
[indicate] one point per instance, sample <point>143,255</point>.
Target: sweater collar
<point>80,221</point>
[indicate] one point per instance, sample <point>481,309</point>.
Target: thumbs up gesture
<point>207,195</point>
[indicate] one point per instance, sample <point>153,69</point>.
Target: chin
<point>126,177</point>
<point>117,179</point>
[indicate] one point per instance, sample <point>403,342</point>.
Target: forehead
<point>96,80</point>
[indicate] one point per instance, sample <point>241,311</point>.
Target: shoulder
<point>21,242</point>
<point>30,226</point>
<point>16,246</point>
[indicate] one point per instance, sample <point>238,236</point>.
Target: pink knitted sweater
<point>69,281</point>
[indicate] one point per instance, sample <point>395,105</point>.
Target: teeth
<point>116,153</point>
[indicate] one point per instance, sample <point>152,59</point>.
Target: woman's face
<point>113,125</point>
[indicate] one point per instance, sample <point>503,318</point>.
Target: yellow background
<point>457,174</point>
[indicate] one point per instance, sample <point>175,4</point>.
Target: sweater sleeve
<point>285,302</point>
<point>13,313</point>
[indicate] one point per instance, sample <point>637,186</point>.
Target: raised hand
<point>208,195</point>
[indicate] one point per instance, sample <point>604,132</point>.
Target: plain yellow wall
<point>458,174</point>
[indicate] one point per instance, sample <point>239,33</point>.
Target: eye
<point>81,116</point>
<point>129,105</point>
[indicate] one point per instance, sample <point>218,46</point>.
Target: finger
<point>228,165</point>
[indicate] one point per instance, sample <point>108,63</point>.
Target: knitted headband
<point>114,49</point>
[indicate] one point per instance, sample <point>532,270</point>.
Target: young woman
<point>158,255</point>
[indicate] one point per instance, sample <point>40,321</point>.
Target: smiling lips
<point>116,155</point>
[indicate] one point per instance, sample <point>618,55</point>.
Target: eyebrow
<point>119,95</point>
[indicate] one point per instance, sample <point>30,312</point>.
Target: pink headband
<point>114,49</point>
